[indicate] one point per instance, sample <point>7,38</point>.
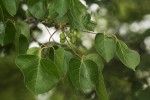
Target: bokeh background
<point>129,20</point>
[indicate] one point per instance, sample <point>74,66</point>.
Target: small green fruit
<point>62,40</point>
<point>49,17</point>
<point>73,40</point>
<point>78,35</point>
<point>70,34</point>
<point>62,36</point>
<point>71,30</point>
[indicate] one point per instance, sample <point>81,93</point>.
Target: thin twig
<point>52,35</point>
<point>72,48</point>
<point>49,34</point>
<point>89,32</point>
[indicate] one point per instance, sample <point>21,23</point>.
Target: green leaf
<point>9,35</point>
<point>105,46</point>
<point>23,44</point>
<point>11,6</point>
<point>40,74</point>
<point>97,59</point>
<point>128,57</point>
<point>90,26</point>
<point>77,15</point>
<point>1,14</point>
<point>22,37</point>
<point>2,26</point>
<point>59,59</point>
<point>59,56</point>
<point>61,7</point>
<point>67,57</point>
<point>33,51</point>
<point>2,32</point>
<point>101,88</point>
<point>38,8</point>
<point>23,29</point>
<point>52,14</point>
<point>83,74</point>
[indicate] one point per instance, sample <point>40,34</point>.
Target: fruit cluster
<point>72,35</point>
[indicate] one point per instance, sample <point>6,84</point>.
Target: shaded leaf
<point>22,37</point>
<point>9,35</point>
<point>2,32</point>
<point>23,44</point>
<point>144,95</point>
<point>1,14</point>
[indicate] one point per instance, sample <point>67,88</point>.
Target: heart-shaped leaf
<point>11,6</point>
<point>77,14</point>
<point>8,33</point>
<point>60,57</point>
<point>61,7</point>
<point>38,8</point>
<point>128,57</point>
<point>83,74</point>
<point>22,37</point>
<point>22,44</point>
<point>105,46</point>
<point>40,74</point>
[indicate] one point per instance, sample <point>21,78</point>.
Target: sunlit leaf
<point>97,59</point>
<point>61,7</point>
<point>105,46</point>
<point>38,8</point>
<point>83,74</point>
<point>77,14</point>
<point>128,57</point>
<point>40,74</point>
<point>11,6</point>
